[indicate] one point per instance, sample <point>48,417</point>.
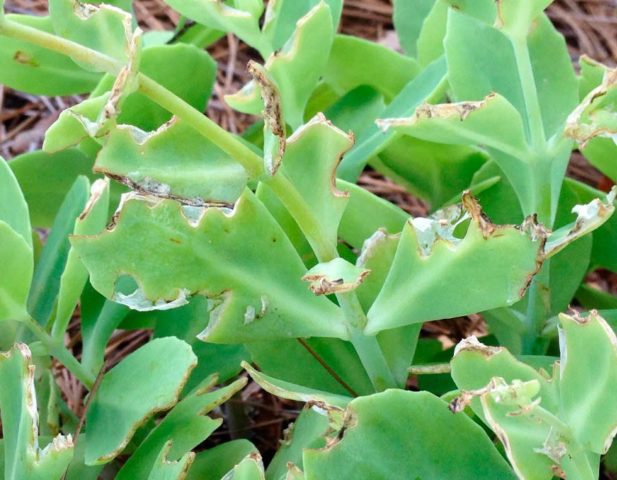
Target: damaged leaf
<point>173,162</point>
<point>23,458</point>
<point>296,68</point>
<point>335,276</point>
<point>432,262</point>
<point>225,255</point>
<point>425,447</point>
<point>146,382</point>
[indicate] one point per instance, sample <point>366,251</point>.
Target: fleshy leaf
<point>166,469</point>
<point>147,381</point>
<point>520,424</point>
<point>408,18</point>
<point>74,277</point>
<point>363,448</point>
<point>295,392</point>
<point>335,276</point>
<point>282,16</point>
<point>475,364</point>
<point>587,400</point>
<point>214,463</point>
<point>16,253</point>
<point>39,71</point>
<point>295,70</point>
<point>186,426</point>
<point>251,301</point>
<point>251,468</point>
<point>173,162</point>
<point>589,217</point>
<point>22,456</point>
<point>318,147</point>
<point>103,28</point>
<point>466,274</point>
<point>243,22</point>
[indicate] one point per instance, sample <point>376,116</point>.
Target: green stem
<point>530,93</point>
<point>303,215</point>
<point>58,350</point>
<point>367,347</point>
<point>98,60</point>
<point>226,141</point>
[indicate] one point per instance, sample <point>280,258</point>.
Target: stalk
<point>58,350</point>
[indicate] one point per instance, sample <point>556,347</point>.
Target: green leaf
<point>466,274</point>
<point>363,448</point>
<point>45,179</point>
<point>145,382</point>
<point>408,18</point>
<point>481,60</point>
<point>282,16</point>
<point>185,427</point>
<point>16,254</point>
<point>214,463</point>
<point>74,277</point>
<point>366,213</point>
<point>587,400</point>
<point>592,73</point>
<point>292,391</point>
<point>183,69</point>
<point>449,171</point>
<point>165,469</point>
<point>51,264</point>
<point>398,344</point>
<point>323,145</point>
<point>228,18</point>
<point>13,206</point>
<point>291,361</point>
<point>39,71</point>
<point>335,276</point>
<point>251,301</point>
<point>307,431</point>
<point>296,68</point>
<point>173,162</point>
<point>103,28</point>
<point>424,88</point>
<point>22,456</point>
<point>251,468</point>
<point>385,70</point>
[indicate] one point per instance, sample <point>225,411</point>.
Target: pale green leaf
<point>317,147</point>
<point>219,16</point>
<point>408,18</point>
<point>40,71</point>
<point>22,456</point>
<point>103,28</point>
<point>292,391</point>
<point>335,276</point>
<point>165,469</point>
<point>145,382</point>
<point>185,426</point>
<point>13,206</point>
<point>251,301</point>
<point>282,16</point>
<point>214,463</point>
<point>173,162</point>
<point>382,68</point>
<point>74,277</point>
<point>298,66</point>
<point>587,401</point>
<point>425,446</point>
<point>53,259</point>
<point>251,468</point>
<point>465,274</point>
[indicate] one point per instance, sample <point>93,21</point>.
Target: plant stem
<point>226,141</point>
<point>98,60</point>
<point>530,93</point>
<point>58,350</point>
<point>303,215</point>
<point>367,347</point>
<point>156,92</point>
